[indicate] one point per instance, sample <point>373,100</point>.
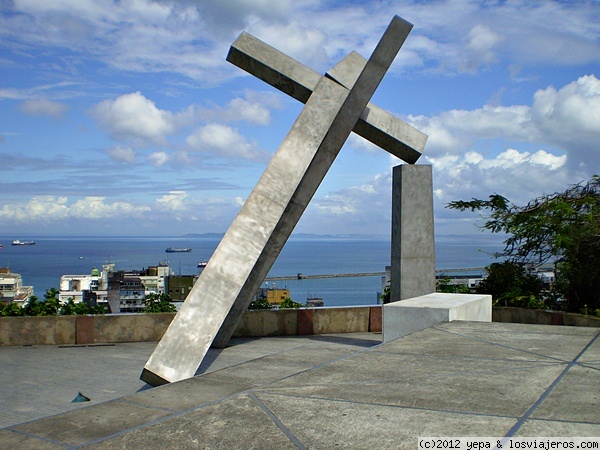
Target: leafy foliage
<point>445,285</point>
<point>288,303</point>
<point>156,303</point>
<point>510,285</point>
<point>260,303</point>
<point>563,228</point>
<point>51,306</point>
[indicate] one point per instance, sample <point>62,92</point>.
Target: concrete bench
<point>414,314</point>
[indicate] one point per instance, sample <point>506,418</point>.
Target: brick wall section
<point>84,330</point>
<point>305,322</point>
<point>375,319</point>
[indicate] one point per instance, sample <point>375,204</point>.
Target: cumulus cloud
<point>567,119</point>
<point>224,141</point>
<point>133,116</point>
<point>43,107</point>
<point>253,108</point>
<point>158,159</point>
<point>50,208</point>
<point>173,201</point>
<point>480,47</point>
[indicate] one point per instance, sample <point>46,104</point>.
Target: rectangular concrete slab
<point>230,424</point>
<point>349,425</point>
<point>93,422</point>
<point>486,386</point>
<point>407,316</point>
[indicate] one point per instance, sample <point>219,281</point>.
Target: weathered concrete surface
<point>131,327</point>
<point>54,330</point>
<point>413,244</point>
<point>334,320</point>
<point>249,248</point>
<point>454,379</point>
<point>268,323</point>
<point>415,314</point>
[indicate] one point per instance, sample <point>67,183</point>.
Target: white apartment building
<point>12,289</point>
<point>121,291</point>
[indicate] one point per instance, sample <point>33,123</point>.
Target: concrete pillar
<point>413,244</point>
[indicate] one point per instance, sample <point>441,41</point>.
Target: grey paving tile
<point>11,440</point>
<point>575,398</point>
<point>187,394</point>
<point>234,423</point>
<point>325,424</point>
<point>549,428</point>
<point>86,424</point>
<point>449,384</point>
<point>434,341</point>
<point>592,354</point>
<point>503,327</point>
<point>559,342</point>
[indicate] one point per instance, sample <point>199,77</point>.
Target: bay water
<point>41,265</point>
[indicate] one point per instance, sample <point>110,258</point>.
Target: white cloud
<point>122,154</point>
<point>221,140</point>
<point>96,208</point>
<point>479,50</point>
<point>43,107</point>
<point>567,119</point>
<point>158,159</point>
<point>50,208</point>
<point>254,108</point>
<point>133,116</point>
<point>173,201</point>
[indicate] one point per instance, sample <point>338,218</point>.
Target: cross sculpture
<point>335,105</point>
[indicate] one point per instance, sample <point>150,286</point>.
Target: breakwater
<point>301,276</point>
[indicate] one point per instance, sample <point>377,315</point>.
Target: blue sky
<point>124,118</point>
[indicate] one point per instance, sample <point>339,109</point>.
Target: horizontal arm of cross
<point>299,81</point>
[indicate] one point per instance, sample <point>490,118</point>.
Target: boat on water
<point>202,264</point>
<point>18,242</point>
<point>178,250</point>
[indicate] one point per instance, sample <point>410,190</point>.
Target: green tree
<point>32,306</point>
<point>288,303</point>
<point>509,284</point>
<point>563,228</point>
<point>70,308</point>
<point>157,303</point>
<point>445,285</point>
<point>260,303</point>
<point>10,309</point>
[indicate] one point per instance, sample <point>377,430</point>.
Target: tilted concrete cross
<point>336,104</point>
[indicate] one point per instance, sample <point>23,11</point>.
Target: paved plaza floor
<point>323,391</point>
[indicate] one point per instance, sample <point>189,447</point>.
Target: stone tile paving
<point>456,379</point>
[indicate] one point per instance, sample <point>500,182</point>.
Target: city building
<point>12,289</point>
<point>119,291</point>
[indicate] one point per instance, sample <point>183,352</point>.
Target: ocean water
<point>41,265</point>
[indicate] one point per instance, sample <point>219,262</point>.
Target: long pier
<point>438,272</point>
<point>332,275</point>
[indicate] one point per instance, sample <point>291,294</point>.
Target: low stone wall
<point>115,328</point>
<point>44,330</point>
<point>102,329</point>
<point>541,317</point>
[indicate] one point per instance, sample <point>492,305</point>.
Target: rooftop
<point>320,391</point>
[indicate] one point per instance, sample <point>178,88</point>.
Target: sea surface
<point>41,265</point>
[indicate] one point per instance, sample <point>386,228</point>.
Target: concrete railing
<point>104,329</point>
